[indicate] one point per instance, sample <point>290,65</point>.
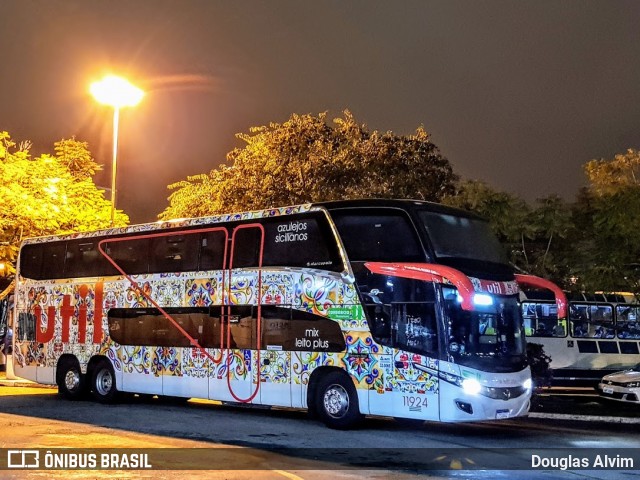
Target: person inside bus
<point>381,328</point>
<point>542,331</point>
<point>633,330</point>
<point>484,324</point>
<point>602,332</point>
<point>581,330</point>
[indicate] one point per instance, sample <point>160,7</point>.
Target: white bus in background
<point>375,307</point>
<point>600,335</point>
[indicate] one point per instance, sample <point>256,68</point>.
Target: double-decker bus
<point>599,336</point>
<point>398,308</point>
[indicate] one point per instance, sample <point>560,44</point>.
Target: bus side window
<point>627,322</point>
<point>381,235</point>
<point>301,241</point>
<point>414,327</point>
<point>132,256</point>
<point>175,253</point>
<point>31,261</point>
<point>84,260</point>
<point>246,248</point>
<point>53,258</point>
<point>26,327</point>
<point>212,250</point>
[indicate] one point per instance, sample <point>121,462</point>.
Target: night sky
<point>517,94</point>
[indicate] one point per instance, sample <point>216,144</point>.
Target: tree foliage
<point>531,234</point>
<point>611,176</point>
<point>48,194</point>
<point>75,155</point>
<point>307,160</point>
<point>591,244</point>
<point>607,217</point>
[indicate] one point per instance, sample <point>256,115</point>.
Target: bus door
<point>241,317</point>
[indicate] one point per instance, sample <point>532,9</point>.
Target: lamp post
<point>117,93</point>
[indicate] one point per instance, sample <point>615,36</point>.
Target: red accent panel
<point>533,281</point>
<point>136,287</point>
<point>66,312</point>
<point>194,343</point>
<point>47,335</point>
<point>97,313</point>
<point>429,272</point>
<point>259,300</point>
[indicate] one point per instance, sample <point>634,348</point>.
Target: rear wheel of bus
<point>337,401</point>
<point>103,382</point>
<point>70,380</point>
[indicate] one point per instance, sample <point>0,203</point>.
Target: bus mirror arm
<point>429,272</point>
<point>538,282</point>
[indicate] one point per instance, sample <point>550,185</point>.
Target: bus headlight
<point>471,386</point>
<point>527,384</point>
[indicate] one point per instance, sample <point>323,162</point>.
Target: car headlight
<point>527,384</point>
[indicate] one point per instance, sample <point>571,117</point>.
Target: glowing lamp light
<point>116,92</point>
<point>482,299</point>
<point>471,386</point>
<point>528,384</point>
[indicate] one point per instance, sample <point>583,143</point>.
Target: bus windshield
<point>490,338</point>
<point>462,237</point>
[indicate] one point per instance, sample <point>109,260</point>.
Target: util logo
<point>67,312</point>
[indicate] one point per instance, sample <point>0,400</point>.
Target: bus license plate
<point>502,414</point>
<point>607,390</point>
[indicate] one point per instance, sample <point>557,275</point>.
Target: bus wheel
<point>103,385</point>
<point>337,401</point>
<point>70,380</point>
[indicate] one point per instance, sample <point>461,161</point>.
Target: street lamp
<point>117,93</point>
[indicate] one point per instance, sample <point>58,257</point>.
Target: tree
<point>610,176</point>
<point>75,155</point>
<point>48,195</point>
<point>532,235</point>
<point>607,218</point>
<point>306,160</point>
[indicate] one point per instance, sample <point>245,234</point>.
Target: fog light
<point>465,407</point>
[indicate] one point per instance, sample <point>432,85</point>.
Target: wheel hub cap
<point>104,382</point>
<point>336,401</point>
<point>72,380</point>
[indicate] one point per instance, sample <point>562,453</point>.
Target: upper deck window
<point>462,237</point>
<point>378,236</point>
<point>289,241</point>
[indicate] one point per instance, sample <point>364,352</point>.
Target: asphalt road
<point>235,442</point>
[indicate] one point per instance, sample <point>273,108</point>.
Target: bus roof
<point>256,214</point>
<point>397,203</point>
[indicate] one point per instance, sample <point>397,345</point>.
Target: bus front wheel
<point>103,382</point>
<point>70,380</point>
<point>337,401</point>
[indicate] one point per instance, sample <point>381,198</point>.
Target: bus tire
<point>103,382</point>
<point>337,401</point>
<point>70,380</point>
